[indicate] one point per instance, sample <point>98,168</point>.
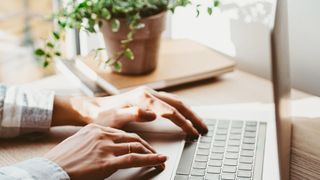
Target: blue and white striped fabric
<point>25,111</point>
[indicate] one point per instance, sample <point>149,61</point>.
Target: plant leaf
<point>216,3</point>
<point>117,66</point>
<point>209,10</point>
<point>45,63</point>
<point>57,53</point>
<point>106,13</point>
<point>50,45</point>
<point>56,35</point>
<point>39,52</point>
<point>129,54</point>
<point>115,25</point>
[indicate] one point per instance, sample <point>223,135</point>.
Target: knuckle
<point>130,158</point>
<point>135,136</point>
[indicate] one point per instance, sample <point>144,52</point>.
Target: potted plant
<point>131,30</point>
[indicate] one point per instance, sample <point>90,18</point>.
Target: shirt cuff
<point>25,110</point>
<point>35,169</point>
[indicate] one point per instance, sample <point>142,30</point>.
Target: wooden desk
<point>237,87</point>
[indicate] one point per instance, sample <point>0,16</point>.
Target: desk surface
<point>236,87</point>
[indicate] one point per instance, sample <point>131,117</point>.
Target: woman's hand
<point>96,152</point>
<point>140,105</point>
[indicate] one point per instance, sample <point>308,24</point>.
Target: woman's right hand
<point>96,152</point>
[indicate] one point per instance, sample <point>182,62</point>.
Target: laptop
<point>245,147</point>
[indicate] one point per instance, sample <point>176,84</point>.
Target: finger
<point>137,160</point>
<point>167,111</point>
<point>181,121</point>
<point>183,109</point>
<point>127,148</point>
<point>136,114</point>
<point>131,137</point>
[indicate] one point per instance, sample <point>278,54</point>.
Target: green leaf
<point>50,45</point>
<point>45,63</point>
<point>106,13</point>
<point>216,3</point>
<point>39,52</point>
<point>198,13</point>
<point>129,54</point>
<point>115,25</point>
<point>56,35</point>
<point>209,10</point>
<point>117,66</point>
<point>57,53</point>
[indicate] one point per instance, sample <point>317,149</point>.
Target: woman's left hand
<point>141,105</point>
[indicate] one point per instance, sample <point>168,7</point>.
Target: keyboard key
<point>236,124</point>
<point>181,177</point>
<point>203,151</point>
<point>234,143</point>
<point>250,134</point>
<point>228,176</point>
<point>235,137</point>
<point>219,143</point>
<point>251,123</point>
<point>248,146</point>
<point>220,137</point>
<point>223,123</point>
<point>246,174</point>
<point>231,155</point>
<point>212,176</point>
<point>213,170</point>
<point>247,160</point>
<point>211,127</point>
<point>222,131</point>
<point>204,139</point>
<point>250,128</point>
<point>235,131</point>
<point>249,140</point>
<point>204,145</point>
<point>233,149</point>
<point>210,121</point>
<point>217,163</point>
<point>199,165</point>
<point>230,162</point>
<point>246,167</point>
<point>186,158</point>
<point>197,172</point>
<point>196,178</point>
<point>247,153</point>
<point>244,179</point>
<point>201,158</point>
<point>217,156</point>
<point>209,133</point>
<point>229,169</point>
<point>216,149</point>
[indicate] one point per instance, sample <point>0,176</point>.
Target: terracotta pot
<point>145,44</point>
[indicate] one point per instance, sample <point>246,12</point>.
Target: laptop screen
<point>282,85</point>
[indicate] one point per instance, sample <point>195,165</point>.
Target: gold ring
<point>129,147</point>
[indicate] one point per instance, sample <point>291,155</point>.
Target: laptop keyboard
<point>231,150</point>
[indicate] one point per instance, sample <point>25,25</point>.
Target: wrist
<point>66,112</point>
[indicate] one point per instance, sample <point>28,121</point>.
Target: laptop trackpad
<point>168,144</point>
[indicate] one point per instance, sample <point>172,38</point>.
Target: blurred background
<point>238,28</point>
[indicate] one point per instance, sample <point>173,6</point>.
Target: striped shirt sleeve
<point>24,110</point>
<point>34,169</point>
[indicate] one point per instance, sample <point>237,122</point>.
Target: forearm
<point>69,111</point>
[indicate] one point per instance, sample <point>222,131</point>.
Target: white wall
<point>304,33</point>
<point>241,29</point>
